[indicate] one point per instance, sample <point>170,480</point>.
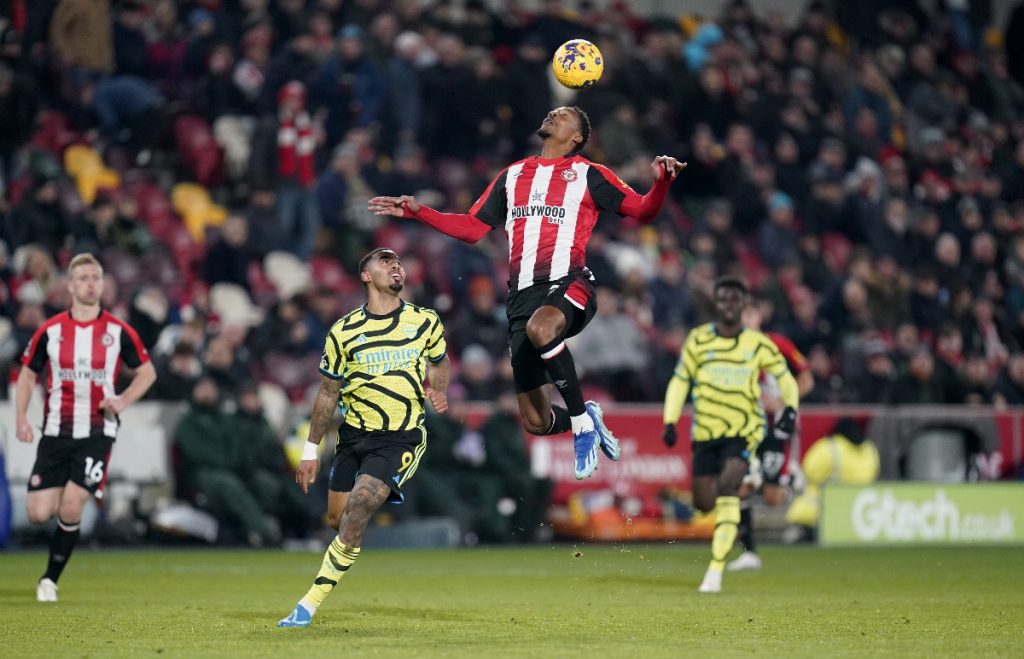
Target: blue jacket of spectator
<point>119,98</point>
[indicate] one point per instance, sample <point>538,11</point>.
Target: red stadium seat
<point>328,272</point>
<point>199,151</point>
<point>53,133</point>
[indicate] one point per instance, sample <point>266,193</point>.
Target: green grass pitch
<point>550,601</point>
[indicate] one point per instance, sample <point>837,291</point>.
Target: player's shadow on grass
<point>17,595</point>
<point>646,581</point>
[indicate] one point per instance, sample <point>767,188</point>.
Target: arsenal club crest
<point>568,175</point>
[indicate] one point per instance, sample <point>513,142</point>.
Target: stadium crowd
<point>864,170</point>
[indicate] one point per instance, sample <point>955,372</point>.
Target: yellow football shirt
<point>380,361</point>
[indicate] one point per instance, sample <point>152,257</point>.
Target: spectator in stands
<point>779,242</point>
<point>670,305</point>
<point>149,313</point>
<point>227,259</point>
<point>128,110</point>
<point>875,385</point>
<point>986,332</point>
<point>39,218</point>
<point>17,115</point>
<point>508,458</point>
<point>81,35</point>
<point>223,366</point>
<point>267,474</point>
<point>978,383</point>
<point>177,374</point>
<point>95,232</point>
<point>476,374</point>
<point>921,385</point>
<point>283,330</point>
<point>926,307</point>
<point>213,463</point>
<point>283,157</point>
<point>888,294</point>
<point>202,28</point>
<point>482,322</point>
<point>614,351</point>
<point>350,85</point>
<point>129,39</point>
<point>403,112</point>
<point>1009,388</point>
<point>250,71</point>
<point>296,61</point>
<point>35,275</point>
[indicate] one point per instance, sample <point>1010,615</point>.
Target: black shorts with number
<point>709,456</point>
<point>573,296</point>
<point>80,461</point>
<point>390,456</point>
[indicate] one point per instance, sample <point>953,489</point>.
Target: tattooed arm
<point>323,411</point>
<point>438,375</point>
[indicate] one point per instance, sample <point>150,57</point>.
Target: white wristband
<point>309,451</point>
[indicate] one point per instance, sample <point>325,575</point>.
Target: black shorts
<point>709,456</point>
<point>83,462</point>
<point>573,296</point>
<point>388,456</point>
<point>771,453</point>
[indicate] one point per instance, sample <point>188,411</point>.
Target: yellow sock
<point>727,519</point>
<point>338,559</point>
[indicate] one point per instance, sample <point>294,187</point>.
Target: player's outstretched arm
<point>645,208</point>
<point>320,419</point>
<point>463,226</point>
<point>438,376</point>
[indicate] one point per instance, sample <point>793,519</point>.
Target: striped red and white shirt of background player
<point>82,359</point>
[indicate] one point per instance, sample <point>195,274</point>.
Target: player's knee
<point>534,424</point>
<point>39,515</point>
<point>703,504</point>
<point>541,331</point>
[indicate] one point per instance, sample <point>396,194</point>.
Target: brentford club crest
<point>107,340</point>
<point>568,175</point>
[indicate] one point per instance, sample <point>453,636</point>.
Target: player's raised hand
<point>305,475</point>
<point>24,431</point>
<point>393,205</point>
<point>667,164</point>
<point>438,400</point>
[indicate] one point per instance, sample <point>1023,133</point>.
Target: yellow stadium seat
<point>85,164</point>
<point>192,202</point>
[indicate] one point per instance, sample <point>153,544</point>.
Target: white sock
<point>581,423</point>
<point>309,606</point>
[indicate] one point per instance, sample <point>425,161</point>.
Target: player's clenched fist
<point>438,400</point>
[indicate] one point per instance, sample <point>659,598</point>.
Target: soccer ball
<point>577,64</point>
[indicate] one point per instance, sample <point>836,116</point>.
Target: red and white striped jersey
<point>548,207</point>
<point>83,358</point>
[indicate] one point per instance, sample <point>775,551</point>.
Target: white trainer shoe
<point>747,561</point>
<point>46,591</point>
<point>712,582</point>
